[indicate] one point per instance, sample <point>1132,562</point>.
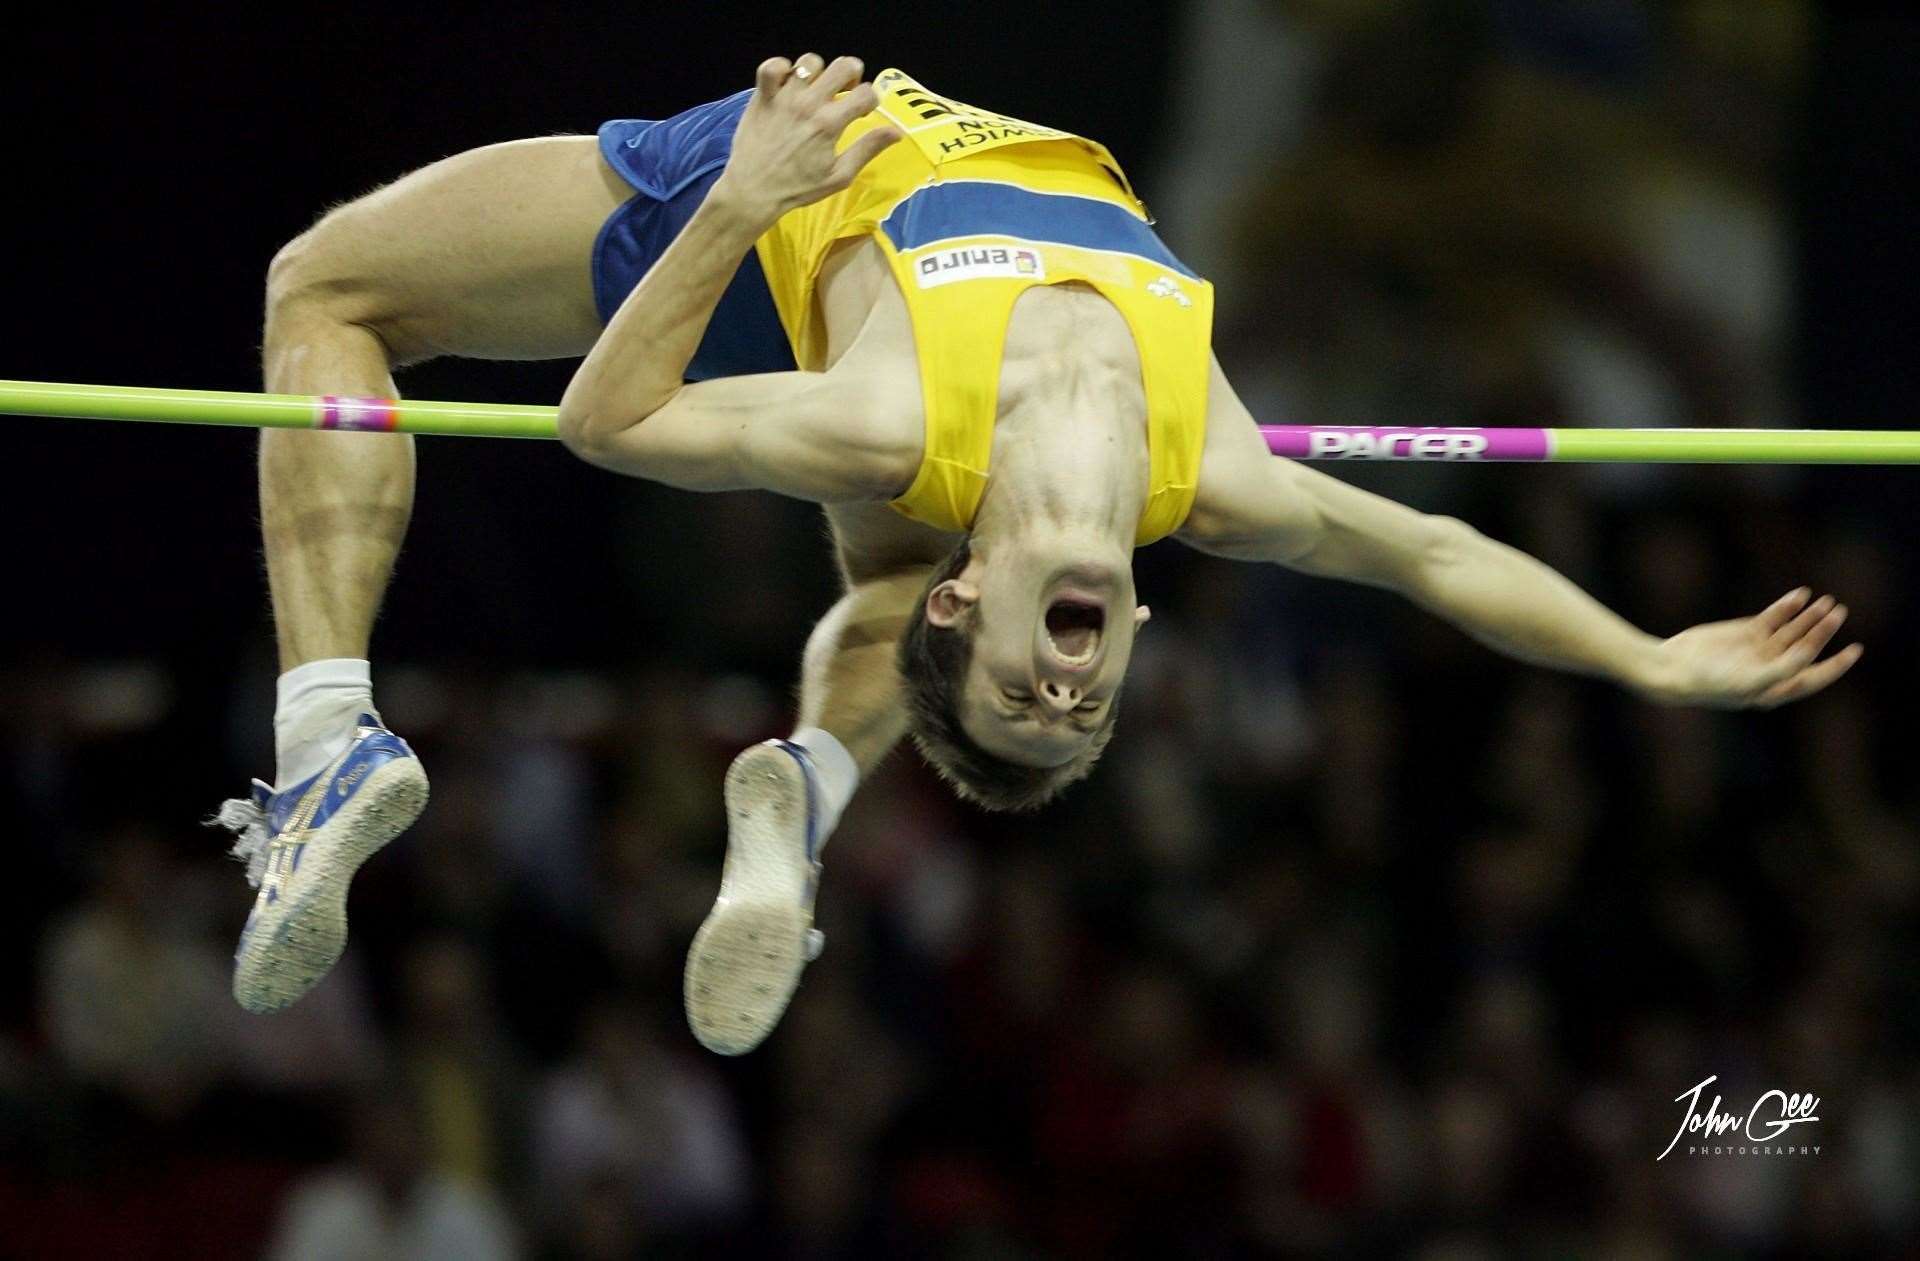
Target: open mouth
<point>1073,628</point>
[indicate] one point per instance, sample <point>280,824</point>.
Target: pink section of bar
<point>359,415</point>
<point>1414,442</point>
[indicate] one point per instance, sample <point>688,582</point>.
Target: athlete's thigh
<point>486,254</point>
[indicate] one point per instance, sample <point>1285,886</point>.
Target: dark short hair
<point>933,662</point>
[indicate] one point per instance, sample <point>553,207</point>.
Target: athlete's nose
<point>1059,696</point>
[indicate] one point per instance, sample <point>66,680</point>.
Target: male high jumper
<point>955,330</point>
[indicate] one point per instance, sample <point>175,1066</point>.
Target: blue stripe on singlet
<point>962,208</point>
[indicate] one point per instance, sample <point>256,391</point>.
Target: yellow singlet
<point>971,210</point>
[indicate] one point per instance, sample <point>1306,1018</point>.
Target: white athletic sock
<point>836,770</point>
<point>319,703</point>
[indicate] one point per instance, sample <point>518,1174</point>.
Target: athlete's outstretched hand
<point>1757,662</point>
<point>784,150</point>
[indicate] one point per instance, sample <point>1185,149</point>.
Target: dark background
<point>1361,940</point>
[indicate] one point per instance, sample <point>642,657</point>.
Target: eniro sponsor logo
<point>976,262</point>
<point>1396,444</point>
<point>1756,1132</point>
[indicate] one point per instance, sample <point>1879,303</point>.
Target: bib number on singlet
<point>943,128</point>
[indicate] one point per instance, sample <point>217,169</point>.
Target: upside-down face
<point>1050,650</point>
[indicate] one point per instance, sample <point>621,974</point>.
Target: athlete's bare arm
<point>826,436</point>
<point>1252,505</point>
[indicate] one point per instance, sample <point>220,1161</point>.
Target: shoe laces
<point>248,823</point>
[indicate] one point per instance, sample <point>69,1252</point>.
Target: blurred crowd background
<point>1362,941</point>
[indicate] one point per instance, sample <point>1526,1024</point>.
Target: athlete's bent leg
<point>783,799</point>
<point>485,254</point>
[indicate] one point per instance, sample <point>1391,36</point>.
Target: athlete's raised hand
<point>1760,661</point>
<point>784,152</point>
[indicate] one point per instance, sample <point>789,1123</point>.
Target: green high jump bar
<point>1304,442</point>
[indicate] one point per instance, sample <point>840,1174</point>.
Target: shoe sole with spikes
<point>292,942</point>
<point>746,960</point>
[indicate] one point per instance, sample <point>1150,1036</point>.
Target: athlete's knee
<point>322,281</point>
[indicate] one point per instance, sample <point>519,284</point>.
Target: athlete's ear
<point>951,601</point>
<point>1141,616</point>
